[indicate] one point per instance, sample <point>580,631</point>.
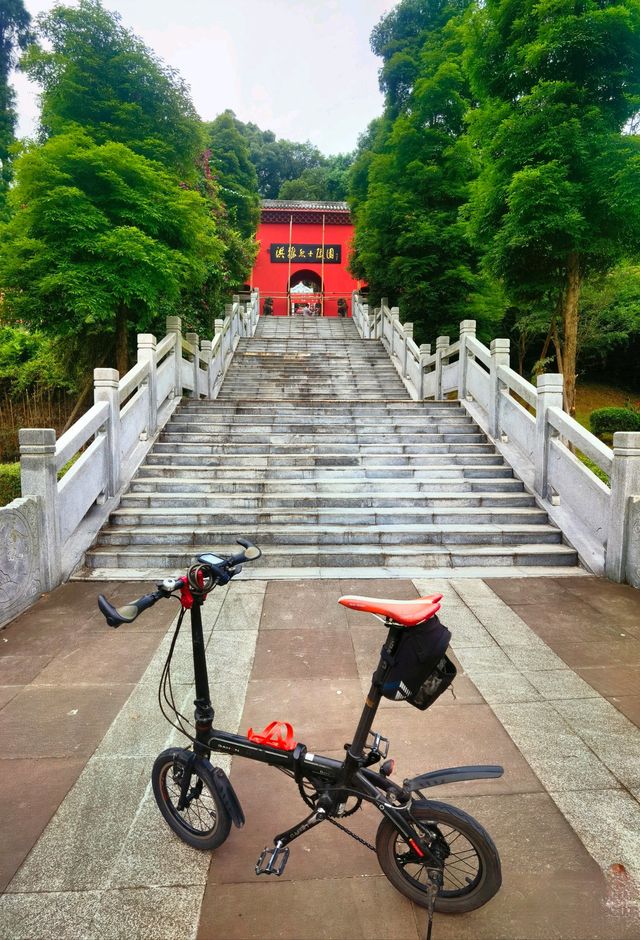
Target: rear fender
<point>437,778</point>
<point>228,797</point>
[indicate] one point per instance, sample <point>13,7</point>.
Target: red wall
<point>272,279</point>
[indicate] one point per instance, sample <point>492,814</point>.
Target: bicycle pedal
<point>276,858</point>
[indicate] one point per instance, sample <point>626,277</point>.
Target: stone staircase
<point>315,452</point>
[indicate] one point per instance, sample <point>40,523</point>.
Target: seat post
<point>375,692</point>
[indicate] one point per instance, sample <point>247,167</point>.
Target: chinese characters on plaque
<point>284,252</point>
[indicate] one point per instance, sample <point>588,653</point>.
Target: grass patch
<point>593,395</point>
<point>595,469</point>
<point>9,482</point>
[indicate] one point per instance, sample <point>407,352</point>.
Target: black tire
<point>472,873</point>
<point>204,823</point>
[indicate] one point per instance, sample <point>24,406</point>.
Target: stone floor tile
<point>325,909</point>
<point>507,686</point>
<point>304,605</point>
<point>517,591</point>
<point>612,680</point>
<point>505,626</point>
<point>579,655</point>
<point>465,628</point>
<point>59,721</point>
<point>323,712</point>
<point>427,586</point>
<point>80,844</point>
<point>145,913</point>
<point>100,661</point>
<point>608,823</point>
<point>483,659</point>
<point>304,654</point>
<point>48,916</point>
<point>240,611</point>
<point>153,856</point>
<point>559,757</point>
<point>140,730</point>
<point>629,705</point>
<point>614,738</point>
<point>21,668</point>
<point>449,737</point>
<point>472,590</point>
<point>7,692</point>
<point>529,659</point>
<point>568,622</point>
<point>32,791</point>
<point>560,684</point>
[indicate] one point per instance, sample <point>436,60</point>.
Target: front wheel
<point>202,821</point>
<point>472,872</point>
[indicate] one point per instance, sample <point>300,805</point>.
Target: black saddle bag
<point>419,671</point>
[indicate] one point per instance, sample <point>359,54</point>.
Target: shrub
<point>609,420</point>
<point>9,482</point>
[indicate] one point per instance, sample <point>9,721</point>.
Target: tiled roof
<point>300,204</point>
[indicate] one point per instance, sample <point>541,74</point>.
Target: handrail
<point>590,446</point>
<point>69,443</point>
<point>517,384</point>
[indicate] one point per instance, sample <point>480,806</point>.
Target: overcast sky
<point>301,68</point>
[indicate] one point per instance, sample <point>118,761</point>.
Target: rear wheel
<point>202,822</point>
<point>472,872</point>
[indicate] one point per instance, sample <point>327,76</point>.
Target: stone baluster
<point>499,357</point>
<point>467,328</point>
<point>105,388</point>
<point>625,483</point>
<point>194,340</point>
<point>442,345</point>
<point>226,337</point>
<point>207,355</point>
<point>408,334</point>
<point>394,317</point>
<point>549,396</point>
<point>425,353</point>
<point>39,478</point>
<point>147,353</point>
<point>174,325</point>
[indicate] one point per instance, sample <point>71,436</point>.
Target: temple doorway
<point>305,294</point>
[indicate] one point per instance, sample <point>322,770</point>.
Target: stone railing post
<point>625,482</point>
<point>39,478</point>
<point>174,325</point>
<point>366,322</point>
<point>394,317</point>
<point>408,334</point>
<point>633,542</point>
<point>226,339</point>
<point>207,355</point>
<point>425,353</point>
<point>549,396</point>
<point>147,353</point>
<point>105,388</point>
<point>194,340</point>
<point>467,328</point>
<point>442,345</point>
<point>499,357</point>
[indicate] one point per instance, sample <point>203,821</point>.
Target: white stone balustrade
<point>536,436</point>
<point>57,520</point>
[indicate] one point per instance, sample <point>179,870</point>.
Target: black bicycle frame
<point>350,775</point>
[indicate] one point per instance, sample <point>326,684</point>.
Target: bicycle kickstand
<point>432,893</point>
<point>273,858</point>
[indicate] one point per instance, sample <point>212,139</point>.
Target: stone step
<point>284,500</point>
<point>201,516</point>
<point>325,534</point>
<point>345,487</point>
<point>327,463</point>
<point>376,472</point>
<point>274,448</point>
<point>155,561</point>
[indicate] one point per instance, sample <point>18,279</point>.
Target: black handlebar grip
<point>127,614</point>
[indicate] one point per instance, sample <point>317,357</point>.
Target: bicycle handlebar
<point>222,569</point>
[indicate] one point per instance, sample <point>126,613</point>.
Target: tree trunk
<point>122,343</point>
<point>570,330</point>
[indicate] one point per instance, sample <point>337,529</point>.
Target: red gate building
<point>301,266</point>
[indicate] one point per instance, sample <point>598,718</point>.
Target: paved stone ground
<point>548,687</point>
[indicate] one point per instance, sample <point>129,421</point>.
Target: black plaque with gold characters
<point>282,253</point>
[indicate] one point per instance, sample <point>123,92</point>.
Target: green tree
<point>558,197</point>
<point>102,240</point>
<point>97,75</point>
<point>411,178</point>
<point>235,173</point>
<point>277,160</point>
<point>14,36</point>
<point>326,183</point>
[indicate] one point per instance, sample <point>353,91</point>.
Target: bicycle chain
<point>352,834</point>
